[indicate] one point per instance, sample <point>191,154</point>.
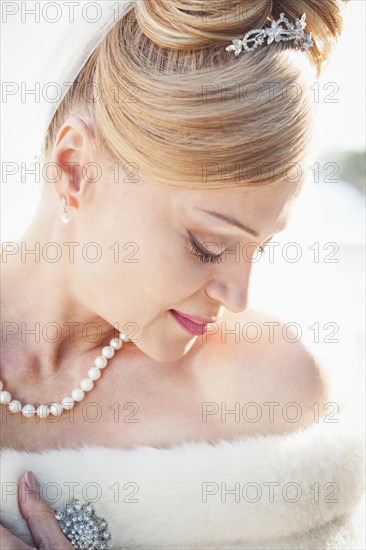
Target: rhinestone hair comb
<point>279,30</point>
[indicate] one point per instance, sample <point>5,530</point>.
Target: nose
<point>230,286</point>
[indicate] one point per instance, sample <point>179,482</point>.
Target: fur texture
<point>175,497</point>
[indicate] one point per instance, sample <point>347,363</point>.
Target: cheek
<point>167,271</point>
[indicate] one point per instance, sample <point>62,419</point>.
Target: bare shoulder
<point>258,359</point>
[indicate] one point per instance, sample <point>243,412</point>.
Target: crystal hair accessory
<point>280,30</point>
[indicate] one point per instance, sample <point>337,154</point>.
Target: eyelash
<point>203,255</point>
<point>207,257</point>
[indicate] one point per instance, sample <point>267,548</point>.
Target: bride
<point>173,163</point>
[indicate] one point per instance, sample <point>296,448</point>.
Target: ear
<point>71,153</point>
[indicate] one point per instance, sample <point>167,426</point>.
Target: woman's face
<point>147,265</point>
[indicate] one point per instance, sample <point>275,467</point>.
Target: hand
<point>41,520</point>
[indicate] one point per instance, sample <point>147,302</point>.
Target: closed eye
<point>201,252</point>
<point>208,257</point>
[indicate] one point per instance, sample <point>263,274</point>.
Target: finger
<point>40,517</point>
<point>9,542</point>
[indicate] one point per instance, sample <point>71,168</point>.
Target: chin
<point>165,350</point>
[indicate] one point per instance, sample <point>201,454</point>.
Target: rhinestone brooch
<point>84,529</point>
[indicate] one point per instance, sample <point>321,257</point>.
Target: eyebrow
<point>231,221</point>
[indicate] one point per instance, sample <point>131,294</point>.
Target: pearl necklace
<point>77,394</point>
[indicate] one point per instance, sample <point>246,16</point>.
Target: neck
<point>44,320</point>
<point>45,326</point>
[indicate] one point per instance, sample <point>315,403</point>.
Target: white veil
<point>306,292</point>
<point>66,38</point>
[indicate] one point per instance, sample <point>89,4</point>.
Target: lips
<point>197,319</point>
<point>194,325</point>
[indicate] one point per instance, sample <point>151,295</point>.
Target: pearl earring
<point>65,218</point>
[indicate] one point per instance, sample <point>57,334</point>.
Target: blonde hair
<point>166,99</point>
